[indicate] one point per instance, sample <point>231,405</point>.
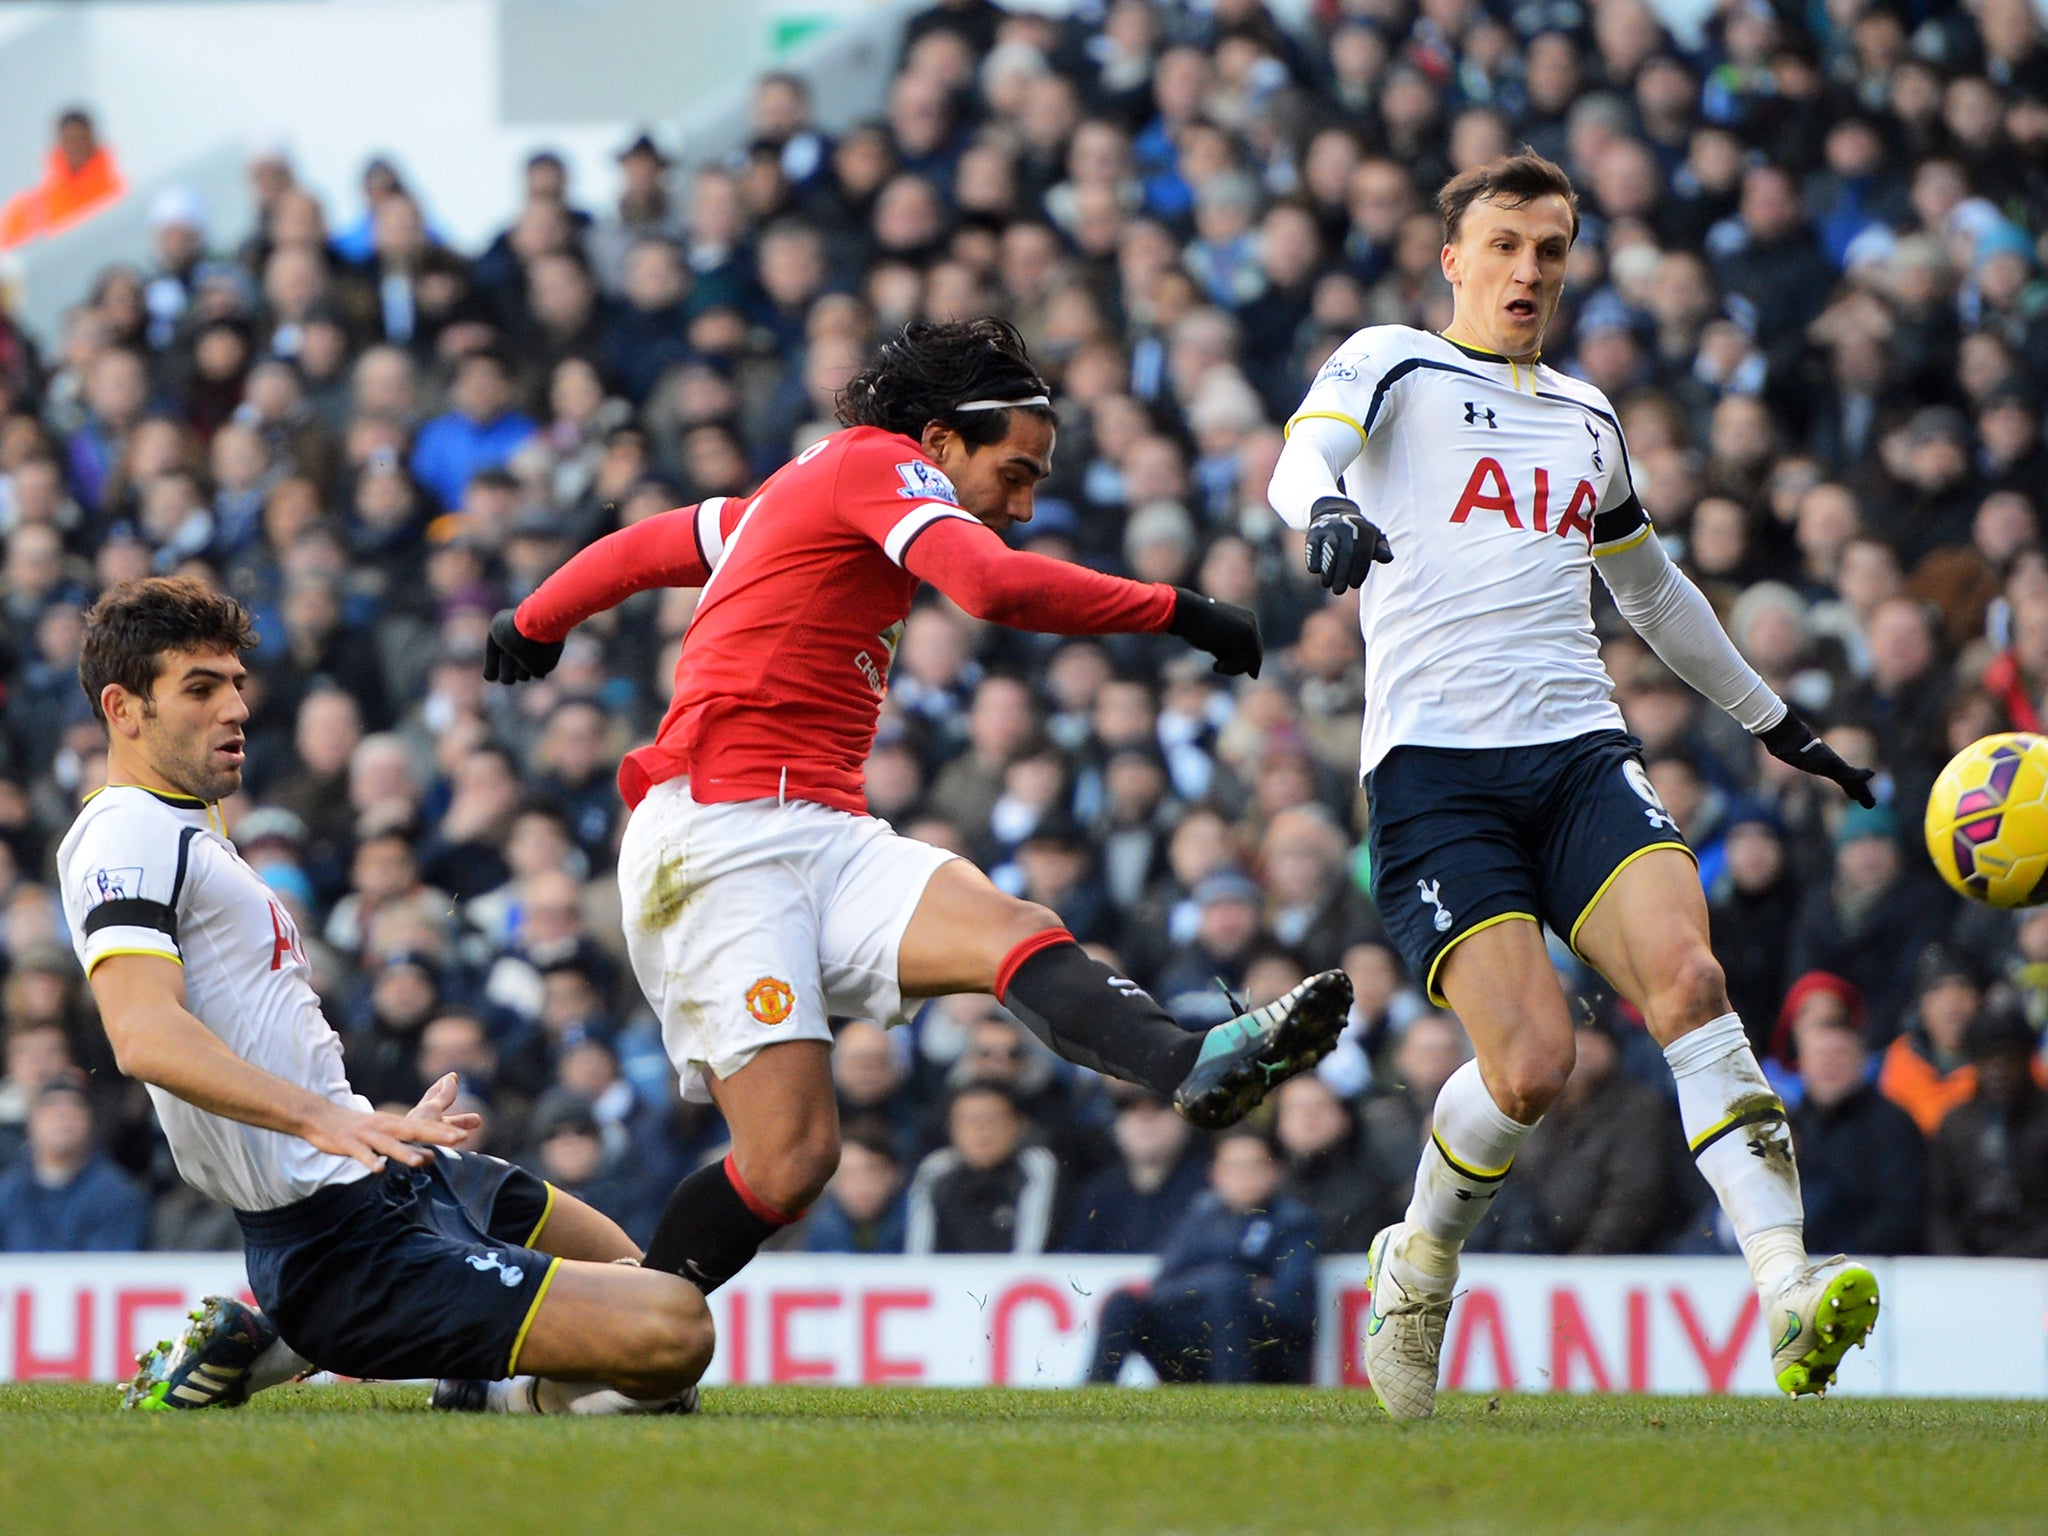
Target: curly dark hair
<point>130,630</point>
<point>928,369</point>
<point>1512,181</point>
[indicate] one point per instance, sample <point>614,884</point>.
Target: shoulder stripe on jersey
<point>710,545</point>
<point>1401,370</point>
<point>132,912</point>
<point>1300,416</point>
<point>185,836</point>
<point>914,522</point>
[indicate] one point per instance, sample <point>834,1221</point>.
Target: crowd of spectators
<point>1810,278</point>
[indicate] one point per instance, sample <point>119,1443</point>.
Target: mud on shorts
<point>1466,837</point>
<point>752,922</point>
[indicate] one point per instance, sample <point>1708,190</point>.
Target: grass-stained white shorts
<point>754,921</point>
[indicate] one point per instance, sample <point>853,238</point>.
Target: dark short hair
<point>130,630</point>
<point>1512,182</point>
<point>871,1133</point>
<point>988,1087</point>
<point>1246,1131</point>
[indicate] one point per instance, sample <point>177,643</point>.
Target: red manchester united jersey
<point>784,666</point>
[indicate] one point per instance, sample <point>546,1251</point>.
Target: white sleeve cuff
<point>914,522</point>
<point>710,542</point>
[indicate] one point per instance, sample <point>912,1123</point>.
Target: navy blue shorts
<point>1466,837</point>
<point>409,1273</point>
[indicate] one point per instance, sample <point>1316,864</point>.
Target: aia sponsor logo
<point>1488,490</point>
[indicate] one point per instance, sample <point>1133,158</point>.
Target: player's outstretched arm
<point>1307,491</point>
<point>157,1041</point>
<point>671,549</point>
<point>1674,616</point>
<point>1020,590</point>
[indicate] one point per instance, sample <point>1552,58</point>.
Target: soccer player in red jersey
<point>760,897</point>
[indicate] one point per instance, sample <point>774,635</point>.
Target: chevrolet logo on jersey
<point>1487,490</point>
<point>1475,413</point>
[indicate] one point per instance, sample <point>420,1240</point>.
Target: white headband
<point>1001,405</point>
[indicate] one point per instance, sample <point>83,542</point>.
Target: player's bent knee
<point>792,1177</point>
<point>668,1341</point>
<point>1025,920</point>
<point>1534,1079</point>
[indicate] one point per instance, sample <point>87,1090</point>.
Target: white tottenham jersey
<point>1495,484</point>
<point>145,872</point>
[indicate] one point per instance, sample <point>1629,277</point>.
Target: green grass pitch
<point>370,1461</point>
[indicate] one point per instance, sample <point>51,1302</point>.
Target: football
<point>1987,820</point>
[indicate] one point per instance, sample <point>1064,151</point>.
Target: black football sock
<point>712,1227</point>
<point>1092,1016</point>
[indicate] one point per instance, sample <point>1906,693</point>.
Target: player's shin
<point>1736,1128</point>
<point>1093,1017</point>
<point>711,1228</point>
<point>1471,1145</point>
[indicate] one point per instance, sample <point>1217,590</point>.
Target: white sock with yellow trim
<point>1472,1142</point>
<point>1736,1128</point>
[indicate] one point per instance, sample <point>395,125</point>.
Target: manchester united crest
<point>770,999</point>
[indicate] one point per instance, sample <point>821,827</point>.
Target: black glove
<point>1343,546</point>
<point>1792,741</point>
<point>509,657</point>
<point>1224,630</point>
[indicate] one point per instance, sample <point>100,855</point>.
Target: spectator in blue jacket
<point>1234,1299</point>
<point>62,1194</point>
<point>861,1210</point>
<point>1132,1205</point>
<point>482,430</point>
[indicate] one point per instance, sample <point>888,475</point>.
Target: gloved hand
<point>509,657</point>
<point>1343,544</point>
<point>1792,741</point>
<point>1224,630</point>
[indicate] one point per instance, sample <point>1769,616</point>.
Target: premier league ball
<point>1987,820</point>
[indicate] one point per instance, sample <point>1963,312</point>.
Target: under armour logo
<point>1771,1145</point>
<point>1468,1194</point>
<point>1597,462</point>
<point>509,1275</point>
<point>1473,413</point>
<point>1428,890</point>
<point>1660,819</point>
<point>1128,987</point>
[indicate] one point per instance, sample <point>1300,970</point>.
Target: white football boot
<point>1404,1333</point>
<point>1816,1315</point>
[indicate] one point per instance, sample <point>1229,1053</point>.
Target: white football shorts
<point>751,922</point>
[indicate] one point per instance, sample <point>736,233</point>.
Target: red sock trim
<point>1014,960</point>
<point>752,1201</point>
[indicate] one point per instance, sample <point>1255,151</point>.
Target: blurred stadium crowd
<point>1810,278</point>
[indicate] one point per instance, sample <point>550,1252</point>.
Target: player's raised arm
<point>1663,606</point>
<point>1020,590</point>
<point>156,1040</point>
<point>679,548</point>
<point>1324,438</point>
